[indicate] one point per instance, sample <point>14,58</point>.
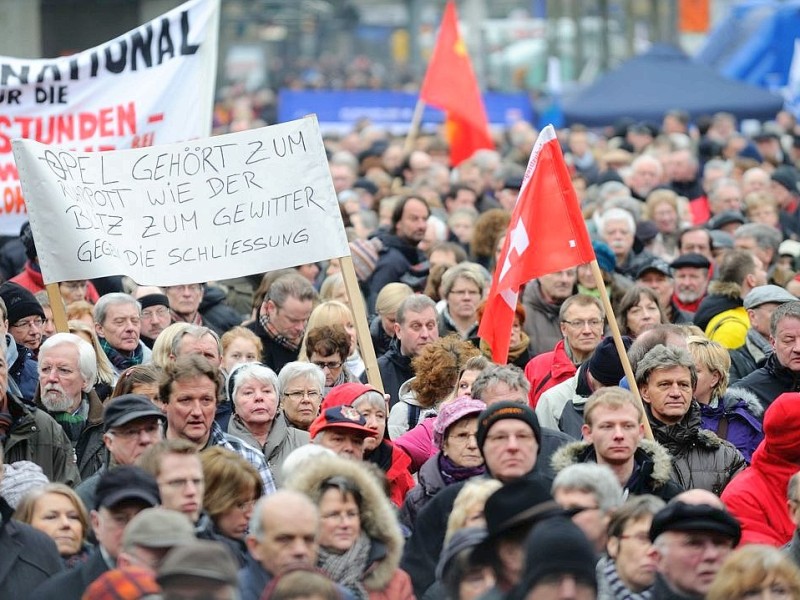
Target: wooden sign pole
<point>57,306</point>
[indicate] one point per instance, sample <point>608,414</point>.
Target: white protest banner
<point>152,85</point>
<point>209,209</point>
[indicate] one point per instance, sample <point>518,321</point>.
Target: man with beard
<point>282,319</point>
<point>400,252</point>
<point>67,372</point>
<point>542,300</point>
<point>690,272</point>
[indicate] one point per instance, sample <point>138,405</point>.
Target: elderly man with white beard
<point>67,373</point>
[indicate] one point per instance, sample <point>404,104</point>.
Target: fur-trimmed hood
<point>734,396</point>
<point>378,518</point>
<point>725,288</point>
<point>579,452</point>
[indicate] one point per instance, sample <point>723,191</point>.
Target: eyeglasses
<point>150,429</point>
<point>36,322</point>
<point>192,287</point>
<point>300,394</point>
<point>162,311</point>
<point>581,323</point>
<point>327,364</point>
<point>245,506</point>
<point>462,438</point>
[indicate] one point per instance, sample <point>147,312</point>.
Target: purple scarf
<point>451,472</point>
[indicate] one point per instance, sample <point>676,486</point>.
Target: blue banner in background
<point>339,111</point>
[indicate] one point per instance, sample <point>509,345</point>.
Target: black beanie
<point>556,547</point>
<point>149,300</point>
<point>20,303</point>
<point>507,410</point>
<point>604,364</point>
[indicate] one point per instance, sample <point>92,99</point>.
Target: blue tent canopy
<point>647,86</point>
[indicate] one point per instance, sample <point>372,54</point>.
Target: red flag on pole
<point>546,234</point>
<point>451,86</point>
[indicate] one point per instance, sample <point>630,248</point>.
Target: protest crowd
<point>403,423</point>
<point>221,440</point>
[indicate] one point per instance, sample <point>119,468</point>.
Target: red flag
<point>450,85</point>
<point>546,234</point>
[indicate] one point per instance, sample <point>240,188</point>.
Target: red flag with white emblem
<point>546,234</point>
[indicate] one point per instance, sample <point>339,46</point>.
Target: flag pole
<point>413,131</point>
<point>623,355</point>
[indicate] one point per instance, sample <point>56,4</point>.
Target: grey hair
<point>256,371</point>
<point>717,164</point>
<point>617,214</point>
<point>108,300</point>
<point>784,311</point>
<point>373,399</point>
<point>634,508</point>
<point>301,370</point>
<point>791,489</point>
<point>764,236</point>
<point>416,303</point>
<point>511,375</point>
<point>87,359</point>
<point>197,332</point>
<point>472,272</point>
<point>593,478</point>
<point>719,184</point>
<point>291,284</point>
<point>662,357</point>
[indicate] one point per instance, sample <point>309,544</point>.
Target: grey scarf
<point>347,569</point>
<point>758,345</point>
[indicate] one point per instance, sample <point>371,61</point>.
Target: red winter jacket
<point>547,370</point>
<point>399,476</point>
<point>31,280</point>
<point>757,496</point>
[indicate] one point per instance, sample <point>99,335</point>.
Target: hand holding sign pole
<point>546,234</point>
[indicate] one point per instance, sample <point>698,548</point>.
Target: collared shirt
<point>250,454</point>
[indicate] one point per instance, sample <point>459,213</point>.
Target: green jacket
<point>36,437</point>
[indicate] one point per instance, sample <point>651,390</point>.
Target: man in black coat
<point>121,494</point>
<point>28,557</point>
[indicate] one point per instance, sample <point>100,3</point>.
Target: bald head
<point>698,496</point>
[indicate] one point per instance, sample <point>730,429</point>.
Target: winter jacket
<point>568,395</point>
<point>216,313</point>
<point>736,418</point>
<point>548,370</point>
<point>429,483</point>
<point>700,459</point>
<point>273,355</point>
<point>446,326</point>
<point>758,496</point>
<point>28,558</point>
<point>541,320</point>
<point>770,381</point>
<point>281,441</point>
<point>380,339</point>
<point>71,585</point>
<point>253,579</point>
<point>418,443</point>
<point>22,369</point>
<point>652,473</point>
<point>746,359</point>
<point>395,465</point>
<point>147,357</point>
<point>382,576</point>
<point>425,544</point>
<point>662,591</point>
<point>12,258</point>
<point>395,259</point>
<point>35,436</point>
<point>729,328</point>
<point>31,279</point>
<point>90,449</point>
<point>395,370</point>
<point>722,296</point>
<point>408,412</point>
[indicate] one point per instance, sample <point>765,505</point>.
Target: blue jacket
<point>743,412</point>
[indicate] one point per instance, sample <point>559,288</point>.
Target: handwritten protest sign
<point>152,85</point>
<point>214,208</point>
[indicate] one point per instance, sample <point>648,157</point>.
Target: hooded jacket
<point>541,320</point>
<point>700,459</point>
<point>722,296</point>
<point>770,381</point>
<point>23,370</point>
<point>757,497</point>
<point>548,370</point>
<point>383,578</point>
<point>738,414</point>
<point>652,474</point>
<point>216,314</point>
<point>407,413</point>
<point>380,339</point>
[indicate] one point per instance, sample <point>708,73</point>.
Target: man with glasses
<point>67,372</point>
<point>118,322</point>
<point>201,304</point>
<point>122,493</point>
<point>282,319</point>
<point>131,424</point>
<point>25,316</point>
<point>690,543</point>
<point>22,367</point>
<point>155,313</point>
<point>582,319</point>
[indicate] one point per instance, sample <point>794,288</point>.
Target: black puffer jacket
<point>217,315</point>
<point>395,259</point>
<point>395,369</point>
<point>770,381</point>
